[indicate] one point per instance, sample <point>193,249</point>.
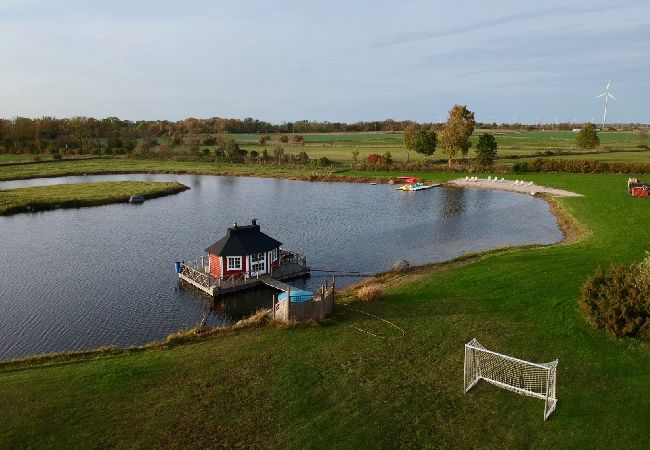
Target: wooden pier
<point>216,286</point>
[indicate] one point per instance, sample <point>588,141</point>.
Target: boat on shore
<point>416,187</point>
<point>414,184</point>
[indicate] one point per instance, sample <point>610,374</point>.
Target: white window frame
<point>233,262</point>
<point>274,255</point>
<point>258,262</point>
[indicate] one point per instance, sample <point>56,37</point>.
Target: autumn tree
<point>454,137</point>
<point>588,137</point>
<point>486,149</point>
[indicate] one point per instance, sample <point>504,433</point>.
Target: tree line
<point>87,134</point>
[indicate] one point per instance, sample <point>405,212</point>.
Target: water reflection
<point>452,201</point>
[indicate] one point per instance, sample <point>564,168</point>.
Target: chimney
<point>254,222</point>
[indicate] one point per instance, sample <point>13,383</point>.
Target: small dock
<point>218,286</point>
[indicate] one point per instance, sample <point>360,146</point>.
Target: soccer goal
<point>522,377</point>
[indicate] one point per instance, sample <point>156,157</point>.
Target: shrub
<point>619,301</point>
<point>284,138</point>
<point>324,161</point>
<point>264,139</point>
<point>387,158</point>
<point>374,158</point>
<point>298,139</point>
<point>370,293</point>
<point>588,137</point>
<point>302,158</point>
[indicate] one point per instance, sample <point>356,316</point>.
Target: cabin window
<point>257,262</point>
<point>274,255</point>
<point>234,263</point>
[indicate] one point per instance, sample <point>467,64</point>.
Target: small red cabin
<point>245,250</point>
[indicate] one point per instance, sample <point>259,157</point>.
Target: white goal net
<point>523,377</point>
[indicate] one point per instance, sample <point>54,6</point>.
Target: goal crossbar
<point>523,377</point>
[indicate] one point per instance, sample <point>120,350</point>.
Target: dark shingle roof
<point>243,240</point>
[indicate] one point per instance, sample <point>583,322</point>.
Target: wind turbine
<point>607,96</point>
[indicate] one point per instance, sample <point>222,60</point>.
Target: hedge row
<point>579,166</point>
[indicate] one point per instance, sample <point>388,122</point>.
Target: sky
<point>333,60</point>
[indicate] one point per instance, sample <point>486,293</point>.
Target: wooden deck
<point>215,286</point>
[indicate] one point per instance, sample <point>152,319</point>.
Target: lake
<point>81,278</point>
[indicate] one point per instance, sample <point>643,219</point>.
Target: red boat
<point>409,179</point>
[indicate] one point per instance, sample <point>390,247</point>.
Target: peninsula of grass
<point>41,198</point>
<point>334,385</point>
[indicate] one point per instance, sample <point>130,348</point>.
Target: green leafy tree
<point>454,137</point>
<point>486,149</point>
<point>410,133</point>
<point>588,137</point>
<point>425,142</point>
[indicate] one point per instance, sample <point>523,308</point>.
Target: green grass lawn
<point>339,146</point>
<point>12,159</point>
<point>331,385</point>
<point>77,195</point>
<point>111,165</point>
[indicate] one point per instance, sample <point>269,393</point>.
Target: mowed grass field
<point>333,385</point>
<point>339,146</point>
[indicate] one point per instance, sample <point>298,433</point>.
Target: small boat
<point>416,187</point>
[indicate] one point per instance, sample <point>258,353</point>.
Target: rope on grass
<point>372,315</point>
<point>359,329</point>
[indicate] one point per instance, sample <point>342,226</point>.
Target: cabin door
<point>258,264</point>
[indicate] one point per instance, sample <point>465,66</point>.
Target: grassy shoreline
<point>41,198</point>
<point>313,385</point>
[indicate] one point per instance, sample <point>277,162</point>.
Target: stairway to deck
<point>276,284</point>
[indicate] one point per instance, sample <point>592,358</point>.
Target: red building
<point>245,250</point>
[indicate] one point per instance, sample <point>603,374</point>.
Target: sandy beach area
<point>522,186</point>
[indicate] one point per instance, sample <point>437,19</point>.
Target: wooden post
<point>273,310</point>
<point>333,283</point>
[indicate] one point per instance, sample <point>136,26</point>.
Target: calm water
<point>82,278</point>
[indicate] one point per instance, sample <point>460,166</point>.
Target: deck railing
<point>287,256</point>
<point>198,276</point>
<point>290,264</point>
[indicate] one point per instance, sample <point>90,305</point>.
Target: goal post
<point>523,377</point>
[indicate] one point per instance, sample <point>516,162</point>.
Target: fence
<point>320,307</point>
